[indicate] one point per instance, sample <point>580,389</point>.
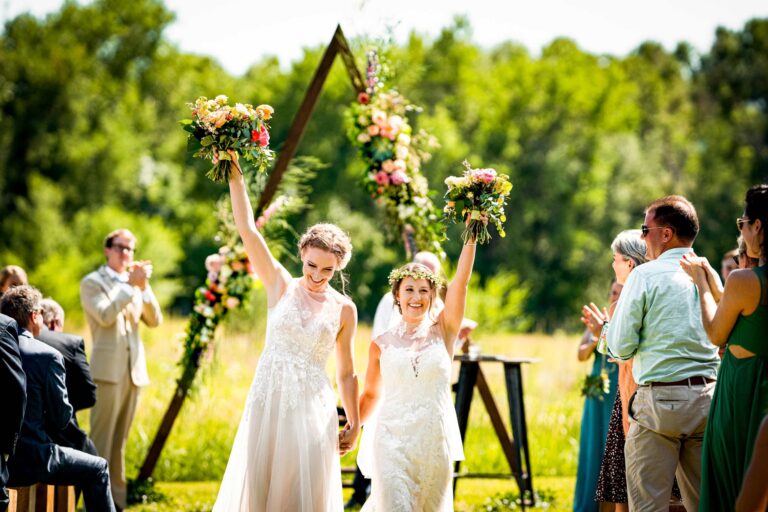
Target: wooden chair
<point>42,498</point>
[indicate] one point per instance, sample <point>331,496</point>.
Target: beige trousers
<point>666,431</point>
<point>111,420</point>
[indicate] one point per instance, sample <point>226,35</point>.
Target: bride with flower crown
<point>410,442</point>
<point>286,451</point>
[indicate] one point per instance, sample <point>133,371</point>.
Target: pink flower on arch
<point>382,178</point>
<point>399,177</point>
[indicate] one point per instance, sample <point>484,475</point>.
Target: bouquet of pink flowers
<point>477,198</point>
<point>217,127</point>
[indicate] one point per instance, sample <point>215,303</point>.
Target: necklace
<point>415,364</point>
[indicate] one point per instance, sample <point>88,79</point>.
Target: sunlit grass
<point>198,447</point>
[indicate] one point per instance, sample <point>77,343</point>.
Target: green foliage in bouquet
<point>478,199</point>
<point>216,128</point>
<point>377,123</point>
<point>597,386</point>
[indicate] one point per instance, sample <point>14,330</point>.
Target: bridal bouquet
<point>216,127</point>
<point>477,196</point>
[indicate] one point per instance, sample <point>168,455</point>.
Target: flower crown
<point>401,273</point>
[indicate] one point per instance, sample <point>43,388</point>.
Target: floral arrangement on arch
<point>378,124</point>
<point>228,286</point>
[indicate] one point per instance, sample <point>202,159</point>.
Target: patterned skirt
<point>612,482</point>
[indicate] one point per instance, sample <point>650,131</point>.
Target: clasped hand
<point>348,439</point>
<point>139,274</point>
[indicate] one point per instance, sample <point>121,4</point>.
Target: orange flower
<point>266,111</point>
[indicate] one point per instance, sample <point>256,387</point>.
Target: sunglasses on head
<point>740,221</point>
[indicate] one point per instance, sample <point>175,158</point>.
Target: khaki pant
<point>111,420</point>
<point>665,437</point>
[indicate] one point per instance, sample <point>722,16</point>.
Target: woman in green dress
<point>737,317</point>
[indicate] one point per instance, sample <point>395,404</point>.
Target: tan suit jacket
<point>113,315</point>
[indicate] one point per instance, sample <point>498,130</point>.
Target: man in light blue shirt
<point>657,322</point>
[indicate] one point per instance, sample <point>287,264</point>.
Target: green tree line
<point>91,96</point>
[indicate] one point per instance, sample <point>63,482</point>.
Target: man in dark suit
<point>37,457</point>
<point>81,390</point>
<point>13,386</point>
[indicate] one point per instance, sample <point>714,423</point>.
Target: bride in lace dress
<point>286,451</point>
<point>409,447</point>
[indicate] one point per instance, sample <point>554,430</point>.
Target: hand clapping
<point>593,318</point>
<point>139,274</point>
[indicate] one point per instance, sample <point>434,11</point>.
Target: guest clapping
<point>738,320</point>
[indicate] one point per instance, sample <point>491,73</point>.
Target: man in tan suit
<point>115,298</point>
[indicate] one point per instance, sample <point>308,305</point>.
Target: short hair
<point>110,238</point>
<point>20,302</point>
<point>12,275</point>
<point>429,260</point>
<point>630,245</point>
<point>678,213</point>
<point>52,310</point>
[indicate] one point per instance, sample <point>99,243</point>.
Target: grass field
<point>196,453</point>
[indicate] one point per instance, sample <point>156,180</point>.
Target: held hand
<point>348,439</point>
<point>593,318</point>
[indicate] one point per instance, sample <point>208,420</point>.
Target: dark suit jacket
<point>80,386</point>
<point>12,384</point>
<point>48,409</point>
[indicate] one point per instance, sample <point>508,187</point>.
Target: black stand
<point>515,449</point>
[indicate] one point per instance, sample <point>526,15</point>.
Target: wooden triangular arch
<point>337,46</point>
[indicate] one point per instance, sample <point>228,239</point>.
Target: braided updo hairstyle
<point>330,238</point>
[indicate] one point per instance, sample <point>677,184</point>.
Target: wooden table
<point>515,448</point>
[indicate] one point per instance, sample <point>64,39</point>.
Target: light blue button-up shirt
<point>658,322</point>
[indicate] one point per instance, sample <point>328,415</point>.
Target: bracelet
<point>471,243</point>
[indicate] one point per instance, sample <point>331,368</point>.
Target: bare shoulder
<point>742,288</point>
<point>742,280</point>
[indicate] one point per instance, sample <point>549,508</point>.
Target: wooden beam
<point>337,45</point>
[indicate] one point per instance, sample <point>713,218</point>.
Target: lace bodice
<point>303,325</point>
<point>415,368</point>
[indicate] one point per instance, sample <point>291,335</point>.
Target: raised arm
<point>456,296</point>
<point>346,377</point>
<point>740,296</point>
<point>270,271</point>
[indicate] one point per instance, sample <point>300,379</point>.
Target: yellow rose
<point>266,111</point>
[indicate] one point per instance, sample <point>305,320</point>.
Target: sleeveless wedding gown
<point>409,448</point>
<point>285,455</point>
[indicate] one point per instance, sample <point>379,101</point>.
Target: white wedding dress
<point>409,448</point>
<point>285,456</point>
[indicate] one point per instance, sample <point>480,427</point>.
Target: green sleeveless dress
<point>738,407</point>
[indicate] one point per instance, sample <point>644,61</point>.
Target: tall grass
<point>198,447</point>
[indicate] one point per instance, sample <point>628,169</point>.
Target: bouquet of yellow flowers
<point>217,127</point>
<point>477,198</point>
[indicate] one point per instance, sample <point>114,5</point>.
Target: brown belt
<point>691,381</point>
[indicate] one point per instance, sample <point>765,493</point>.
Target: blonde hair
<point>12,275</point>
<point>330,238</point>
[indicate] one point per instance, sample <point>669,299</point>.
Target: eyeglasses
<point>123,248</point>
<point>645,229</point>
<point>740,221</point>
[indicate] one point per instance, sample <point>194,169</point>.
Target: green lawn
<point>196,453</point>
